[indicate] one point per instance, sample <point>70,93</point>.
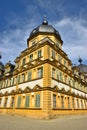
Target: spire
<point>80,60</point>
<point>45,22</point>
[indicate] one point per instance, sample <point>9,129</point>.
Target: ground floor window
<point>5,103</point>
<point>73,103</point>
<point>62,102</point>
<point>19,102</point>
<point>77,103</point>
<point>37,100</point>
<point>27,101</point>
<point>81,104</point>
<point>54,101</point>
<point>12,102</point>
<point>68,102</point>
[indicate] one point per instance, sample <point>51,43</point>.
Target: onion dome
<point>45,28</point>
<point>82,67</point>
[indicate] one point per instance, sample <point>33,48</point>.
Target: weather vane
<point>45,17</point>
<point>45,22</point>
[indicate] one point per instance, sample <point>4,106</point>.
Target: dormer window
<point>33,42</point>
<point>24,61</point>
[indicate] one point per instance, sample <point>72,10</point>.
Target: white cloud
<point>74,35</point>
<point>14,40</point>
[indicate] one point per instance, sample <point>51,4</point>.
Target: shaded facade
<point>43,83</point>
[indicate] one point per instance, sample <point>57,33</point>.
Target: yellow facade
<point>42,83</point>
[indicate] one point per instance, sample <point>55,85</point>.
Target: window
<point>12,81</point>
<point>23,77</point>
<point>53,73</point>
<point>33,42</point>
<point>64,62</point>
<point>68,102</point>
<point>69,81</point>
<point>81,104</point>
<point>37,100</point>
<point>61,76</point>
<point>62,102</point>
<point>77,103</point>
<point>31,57</point>
<point>60,58</point>
<point>27,100</point>
<point>53,54</point>
<point>40,72</point>
<point>5,103</point>
<point>54,101</point>
<point>73,83</point>
<point>18,78</point>
<point>39,53</point>
<point>24,61</point>
<point>73,103</point>
<point>19,102</point>
<point>6,82</point>
<point>12,102</point>
<point>29,75</point>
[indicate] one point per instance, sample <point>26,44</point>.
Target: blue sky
<point>19,17</point>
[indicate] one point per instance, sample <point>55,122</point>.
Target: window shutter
<point>19,101</point>
<point>37,104</point>
<point>29,75</point>
<point>27,101</point>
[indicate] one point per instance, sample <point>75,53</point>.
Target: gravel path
<point>8,122</point>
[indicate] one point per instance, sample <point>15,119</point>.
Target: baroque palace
<point>43,83</point>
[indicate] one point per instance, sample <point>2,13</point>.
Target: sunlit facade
<point>43,83</point>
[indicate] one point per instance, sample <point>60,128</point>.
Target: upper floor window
<point>18,78</point>
<point>61,78</point>
<point>60,59</point>
<point>53,54</point>
<point>39,53</point>
<point>40,72</point>
<point>23,77</point>
<point>24,61</point>
<point>33,42</point>
<point>6,82</point>
<point>53,73</point>
<point>29,75</point>
<point>12,81</point>
<point>31,57</point>
<point>69,81</point>
<point>64,62</point>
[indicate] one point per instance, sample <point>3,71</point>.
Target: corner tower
<point>42,84</point>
